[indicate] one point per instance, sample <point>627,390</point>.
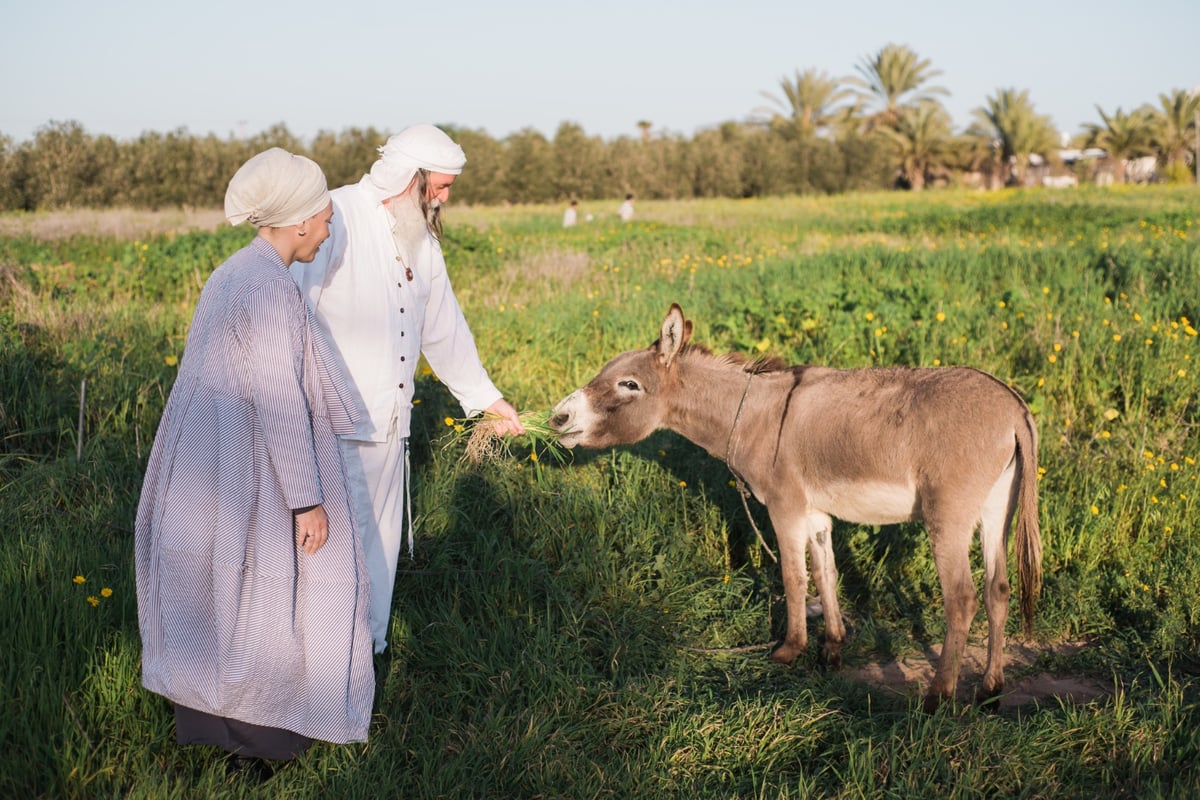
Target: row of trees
<point>884,126</point>
<point>64,166</point>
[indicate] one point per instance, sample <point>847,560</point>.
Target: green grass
<point>588,628</point>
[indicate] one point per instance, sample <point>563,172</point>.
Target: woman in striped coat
<point>252,589</point>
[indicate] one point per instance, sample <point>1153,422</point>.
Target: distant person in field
<point>251,584</point>
<point>381,291</point>
<point>571,215</point>
<point>626,209</point>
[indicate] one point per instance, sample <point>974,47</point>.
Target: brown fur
<point>951,446</point>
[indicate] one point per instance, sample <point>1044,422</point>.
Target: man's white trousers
<point>376,475</point>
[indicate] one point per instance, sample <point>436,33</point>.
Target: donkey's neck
<point>713,401</point>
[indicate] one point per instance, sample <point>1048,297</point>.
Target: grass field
<point>598,626</point>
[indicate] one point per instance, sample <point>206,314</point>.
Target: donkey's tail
<point>1029,536</point>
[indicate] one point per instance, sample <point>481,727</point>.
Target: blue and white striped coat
<point>235,619</point>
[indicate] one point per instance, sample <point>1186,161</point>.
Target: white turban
<point>416,147</point>
<point>275,189</point>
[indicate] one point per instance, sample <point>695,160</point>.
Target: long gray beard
<point>409,227</point>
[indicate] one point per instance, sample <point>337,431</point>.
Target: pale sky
<point>125,67</point>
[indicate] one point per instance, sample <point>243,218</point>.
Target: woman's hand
<point>312,529</point>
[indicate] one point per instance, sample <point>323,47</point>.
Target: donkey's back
<point>892,444</point>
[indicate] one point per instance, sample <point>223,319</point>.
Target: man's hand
<point>507,422</point>
<point>312,529</point>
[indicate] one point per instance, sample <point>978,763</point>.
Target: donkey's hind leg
<point>994,525</point>
<point>951,541</point>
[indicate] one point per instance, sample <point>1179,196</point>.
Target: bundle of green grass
<point>481,442</point>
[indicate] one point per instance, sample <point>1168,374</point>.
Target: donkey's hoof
<point>989,699</point>
<point>785,653</point>
<point>934,700</point>
<point>830,657</point>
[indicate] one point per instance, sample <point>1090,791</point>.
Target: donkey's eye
<point>630,385</point>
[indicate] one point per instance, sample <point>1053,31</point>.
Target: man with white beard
<point>380,290</point>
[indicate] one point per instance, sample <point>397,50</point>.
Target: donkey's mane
<point>755,366</point>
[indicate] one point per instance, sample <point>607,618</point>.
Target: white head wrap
<point>276,189</point>
<point>416,147</point>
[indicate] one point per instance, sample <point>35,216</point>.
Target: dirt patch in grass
<point>1026,686</point>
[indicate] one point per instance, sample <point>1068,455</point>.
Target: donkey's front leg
<point>825,575</point>
<point>792,535</point>
<point>799,535</point>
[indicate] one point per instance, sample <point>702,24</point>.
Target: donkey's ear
<point>676,331</point>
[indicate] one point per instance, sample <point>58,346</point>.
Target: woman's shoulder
<point>255,267</point>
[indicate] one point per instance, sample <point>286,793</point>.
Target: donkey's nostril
<point>559,420</point>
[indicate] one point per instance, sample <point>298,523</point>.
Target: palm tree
<point>920,140</point>
<point>1015,130</point>
<point>895,78</point>
<point>1123,136</point>
<point>812,103</point>
<point>972,155</point>
<point>1175,125</point>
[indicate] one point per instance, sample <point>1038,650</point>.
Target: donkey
<point>952,446</point>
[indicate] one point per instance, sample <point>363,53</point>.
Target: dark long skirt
<point>239,738</point>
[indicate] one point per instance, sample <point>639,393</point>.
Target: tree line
<point>64,166</point>
<point>883,127</point>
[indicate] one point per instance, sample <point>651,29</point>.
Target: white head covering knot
<point>416,147</point>
<point>275,189</point>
